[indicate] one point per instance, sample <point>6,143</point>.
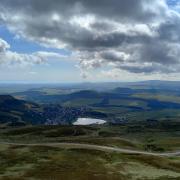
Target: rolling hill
<point>16,112</point>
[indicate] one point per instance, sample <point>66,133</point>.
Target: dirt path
<point>95,147</point>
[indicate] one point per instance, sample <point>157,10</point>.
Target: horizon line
<point>82,82</point>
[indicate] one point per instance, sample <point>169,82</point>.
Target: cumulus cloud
<point>136,36</point>
<point>10,58</point>
<point>3,46</point>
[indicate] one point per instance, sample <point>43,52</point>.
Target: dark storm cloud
<point>114,56</point>
<point>153,68</point>
<point>117,9</point>
<point>161,53</point>
<point>134,35</point>
<point>169,30</point>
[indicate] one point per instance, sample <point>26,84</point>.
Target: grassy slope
<point>20,162</point>
<point>132,136</point>
<point>159,96</point>
<point>55,163</point>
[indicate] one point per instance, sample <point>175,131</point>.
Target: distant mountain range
<point>9,88</point>
<point>114,102</point>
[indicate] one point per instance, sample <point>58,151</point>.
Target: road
<point>95,147</point>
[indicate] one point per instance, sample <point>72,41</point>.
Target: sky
<point>58,41</point>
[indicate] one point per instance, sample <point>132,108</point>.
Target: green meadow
<point>19,161</point>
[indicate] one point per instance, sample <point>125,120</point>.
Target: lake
<point>88,121</point>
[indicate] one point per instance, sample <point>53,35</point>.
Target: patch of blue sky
<point>22,45</point>
<point>173,2</point>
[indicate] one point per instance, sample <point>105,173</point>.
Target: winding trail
<point>95,147</point>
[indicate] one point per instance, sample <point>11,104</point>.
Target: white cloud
<point>3,46</point>
<point>11,58</point>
